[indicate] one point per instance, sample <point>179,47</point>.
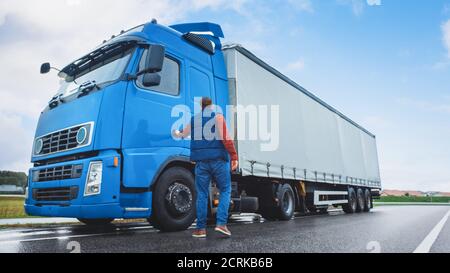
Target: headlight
<point>38,144</point>
<point>94,179</point>
<point>81,135</point>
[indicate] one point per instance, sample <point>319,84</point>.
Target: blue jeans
<point>219,170</point>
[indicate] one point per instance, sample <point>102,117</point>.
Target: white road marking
<point>428,242</point>
<point>50,238</point>
<point>70,236</point>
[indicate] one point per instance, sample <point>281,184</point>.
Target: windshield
<point>107,70</point>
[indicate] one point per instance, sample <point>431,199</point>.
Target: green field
<point>12,207</point>
<point>423,199</point>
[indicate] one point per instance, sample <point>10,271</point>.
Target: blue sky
<point>385,64</point>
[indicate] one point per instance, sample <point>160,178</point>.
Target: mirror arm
<point>129,77</point>
<point>133,77</point>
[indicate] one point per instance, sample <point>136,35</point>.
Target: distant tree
<point>407,194</point>
<point>13,178</point>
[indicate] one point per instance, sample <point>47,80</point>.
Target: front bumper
<point>77,205</point>
<point>113,210</point>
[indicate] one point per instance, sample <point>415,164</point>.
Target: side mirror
<point>151,79</point>
<point>45,68</point>
<point>154,59</point>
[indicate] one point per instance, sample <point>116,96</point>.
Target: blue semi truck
<point>103,147</point>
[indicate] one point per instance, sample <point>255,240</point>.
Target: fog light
<point>94,179</point>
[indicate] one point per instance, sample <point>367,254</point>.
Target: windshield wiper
<point>86,88</point>
<point>55,101</point>
<point>83,90</point>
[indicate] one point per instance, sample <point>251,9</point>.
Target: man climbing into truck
<point>211,150</point>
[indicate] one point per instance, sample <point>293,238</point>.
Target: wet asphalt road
<point>384,229</point>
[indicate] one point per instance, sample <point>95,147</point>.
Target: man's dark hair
<point>206,101</point>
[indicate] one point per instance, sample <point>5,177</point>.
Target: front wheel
<point>174,200</point>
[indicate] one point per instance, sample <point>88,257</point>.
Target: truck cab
<point>103,147</point>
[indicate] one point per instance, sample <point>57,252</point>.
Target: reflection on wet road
<point>385,229</point>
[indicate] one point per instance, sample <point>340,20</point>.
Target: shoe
<point>223,230</point>
<point>199,233</point>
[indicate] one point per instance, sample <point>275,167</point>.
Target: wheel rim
<point>179,199</point>
<point>288,203</point>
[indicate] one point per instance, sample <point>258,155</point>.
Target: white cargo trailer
<point>334,158</point>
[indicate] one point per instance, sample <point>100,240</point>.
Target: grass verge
<point>414,199</point>
<point>12,207</point>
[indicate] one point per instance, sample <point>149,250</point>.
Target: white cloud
<point>358,6</point>
<point>15,142</point>
<point>425,105</point>
<point>374,2</point>
<point>446,36</point>
<point>297,65</point>
<point>59,31</point>
<point>304,5</point>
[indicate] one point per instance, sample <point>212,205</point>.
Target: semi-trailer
<point>104,149</point>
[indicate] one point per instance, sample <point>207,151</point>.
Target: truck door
<point>146,137</point>
<point>200,85</point>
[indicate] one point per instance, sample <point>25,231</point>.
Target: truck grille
<point>58,173</point>
<point>55,194</point>
<point>63,140</point>
<point>60,141</point>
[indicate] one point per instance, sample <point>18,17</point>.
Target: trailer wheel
<point>350,207</point>
<point>359,200</point>
<point>174,200</point>
<point>286,207</point>
<point>367,200</point>
<point>96,222</point>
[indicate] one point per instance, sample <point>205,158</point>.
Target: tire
<point>96,222</point>
<point>367,201</point>
<point>359,200</point>
<point>286,207</point>
<point>174,200</point>
<point>350,207</point>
